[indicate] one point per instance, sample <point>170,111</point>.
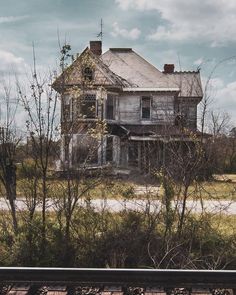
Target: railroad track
<point>77,281</point>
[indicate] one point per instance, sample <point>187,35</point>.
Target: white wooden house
<point>117,109</point>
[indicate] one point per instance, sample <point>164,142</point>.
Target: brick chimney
<point>169,68</point>
<point>96,47</point>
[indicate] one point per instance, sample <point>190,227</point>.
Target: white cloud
<point>132,34</point>
<point>11,19</point>
<point>210,20</point>
<point>222,96</point>
<point>226,100</point>
<point>227,96</point>
<point>10,63</point>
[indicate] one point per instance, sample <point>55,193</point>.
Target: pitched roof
<point>124,68</point>
<point>140,73</point>
<point>189,83</point>
<point>131,66</point>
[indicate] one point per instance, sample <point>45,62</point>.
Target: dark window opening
<point>66,147</point>
<point>88,74</point>
<point>110,107</point>
<point>88,106</point>
<point>133,154</point>
<point>109,149</point>
<point>146,107</point>
<point>66,113</point>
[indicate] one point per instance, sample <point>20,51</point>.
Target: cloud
<point>226,96</point>
<point>213,21</point>
<point>11,19</point>
<point>226,100</point>
<point>10,63</point>
<point>222,96</point>
<point>133,34</point>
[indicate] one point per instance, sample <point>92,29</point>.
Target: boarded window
<point>146,107</point>
<point>110,107</point>
<point>88,106</point>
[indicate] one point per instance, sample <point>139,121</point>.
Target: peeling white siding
<point>162,108</point>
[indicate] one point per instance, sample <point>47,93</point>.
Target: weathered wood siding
<point>188,108</point>
<point>162,108</point>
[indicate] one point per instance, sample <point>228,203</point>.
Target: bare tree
<point>9,139</point>
<point>40,104</point>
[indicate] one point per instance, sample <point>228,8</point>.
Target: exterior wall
<point>128,110</point>
<point>188,108</point>
<point>162,109</point>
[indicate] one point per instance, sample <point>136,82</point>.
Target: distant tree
<point>9,140</point>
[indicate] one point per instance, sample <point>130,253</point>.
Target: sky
<point>191,34</point>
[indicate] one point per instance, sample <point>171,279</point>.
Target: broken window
<point>146,107</point>
<point>110,107</point>
<point>88,106</point>
<point>88,74</point>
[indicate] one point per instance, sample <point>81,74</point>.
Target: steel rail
<point>120,277</point>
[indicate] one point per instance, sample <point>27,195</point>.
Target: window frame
<point>143,97</point>
<point>88,73</point>
<point>83,100</point>
<point>114,99</point>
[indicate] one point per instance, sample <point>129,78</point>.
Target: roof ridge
<point>184,72</point>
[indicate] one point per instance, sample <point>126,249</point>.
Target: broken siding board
<point>129,108</point>
<point>163,109</point>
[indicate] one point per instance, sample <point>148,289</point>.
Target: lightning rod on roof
<point>100,34</point>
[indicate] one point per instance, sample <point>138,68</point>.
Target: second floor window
<point>110,107</point>
<point>146,108</point>
<point>88,106</point>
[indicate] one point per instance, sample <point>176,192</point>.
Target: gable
<point>75,73</point>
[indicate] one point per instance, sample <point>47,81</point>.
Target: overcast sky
<point>188,33</point>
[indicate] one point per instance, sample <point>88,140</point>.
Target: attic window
<point>88,74</point>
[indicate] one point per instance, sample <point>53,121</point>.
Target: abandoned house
<point>119,110</point>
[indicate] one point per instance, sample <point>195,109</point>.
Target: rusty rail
<point>120,277</point>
